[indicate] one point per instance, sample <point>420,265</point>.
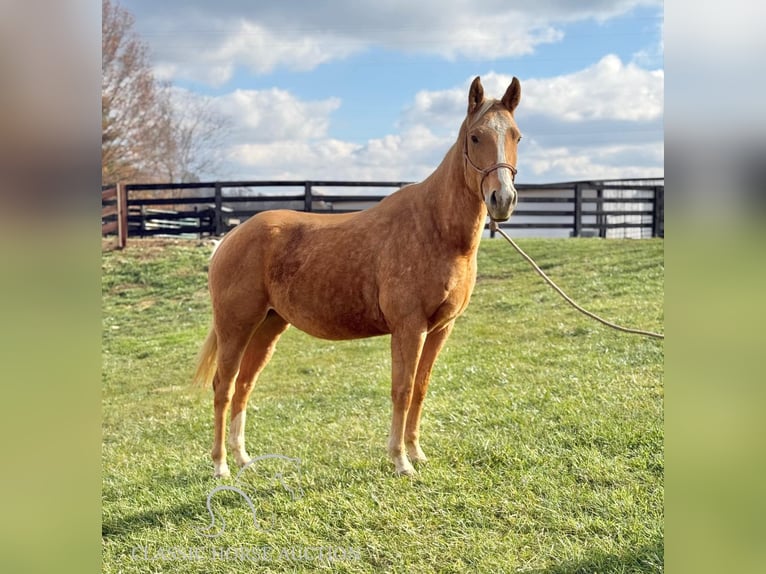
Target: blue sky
<point>348,89</point>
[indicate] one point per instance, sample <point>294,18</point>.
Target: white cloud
<point>292,156</point>
<point>214,55</point>
<point>267,128</point>
<point>402,157</point>
<point>275,114</point>
<point>441,108</point>
<point>602,121</point>
<point>206,41</point>
<point>277,135</point>
<point>612,161</point>
<point>607,90</point>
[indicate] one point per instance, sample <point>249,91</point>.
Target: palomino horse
<point>406,267</point>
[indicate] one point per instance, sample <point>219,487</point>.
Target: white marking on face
<point>500,124</point>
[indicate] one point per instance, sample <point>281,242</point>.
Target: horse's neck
<point>457,213</point>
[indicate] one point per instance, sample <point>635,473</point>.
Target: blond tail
<point>206,361</point>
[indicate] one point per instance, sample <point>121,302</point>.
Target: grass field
<point>544,429</point>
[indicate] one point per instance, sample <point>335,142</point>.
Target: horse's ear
<point>475,95</point>
<point>512,95</point>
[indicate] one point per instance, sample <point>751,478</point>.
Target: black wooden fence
<point>604,208</point>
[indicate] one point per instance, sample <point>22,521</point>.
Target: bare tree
<point>197,134</point>
<point>149,130</point>
<point>132,117</point>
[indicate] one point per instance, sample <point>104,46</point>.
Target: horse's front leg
<point>406,347</point>
<point>433,345</point>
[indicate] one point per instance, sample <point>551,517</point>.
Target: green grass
<point>544,429</point>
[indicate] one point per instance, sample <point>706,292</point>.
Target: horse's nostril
<point>493,199</point>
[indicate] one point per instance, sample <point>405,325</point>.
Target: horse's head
<point>490,146</point>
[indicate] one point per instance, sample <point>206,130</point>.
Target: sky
<point>350,89</point>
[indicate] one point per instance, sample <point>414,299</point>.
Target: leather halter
<point>486,171</point>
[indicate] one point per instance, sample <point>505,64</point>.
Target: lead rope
<point>494,227</point>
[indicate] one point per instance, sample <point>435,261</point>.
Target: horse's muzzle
<point>500,204</point>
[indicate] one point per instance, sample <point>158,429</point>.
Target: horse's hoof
<point>417,456</point>
<point>243,461</point>
<point>222,471</point>
<point>402,464</point>
<point>406,470</point>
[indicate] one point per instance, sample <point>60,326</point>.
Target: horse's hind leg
<point>233,337</point>
<point>257,355</point>
<point>433,345</point>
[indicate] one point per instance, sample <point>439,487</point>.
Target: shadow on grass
<point>193,504</point>
<point>131,524</point>
<point>649,558</point>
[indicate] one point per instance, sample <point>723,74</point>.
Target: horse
<point>405,267</point>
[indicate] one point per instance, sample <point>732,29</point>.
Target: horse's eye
<point>474,139</point>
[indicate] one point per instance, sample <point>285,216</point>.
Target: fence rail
<point>604,208</point>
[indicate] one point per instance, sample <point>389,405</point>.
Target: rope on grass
<point>567,298</point>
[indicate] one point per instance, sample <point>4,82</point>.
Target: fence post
<point>577,228</point>
<point>658,208</point>
<point>218,217</point>
<point>601,217</point>
<point>122,216</point>
<point>307,199</point>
